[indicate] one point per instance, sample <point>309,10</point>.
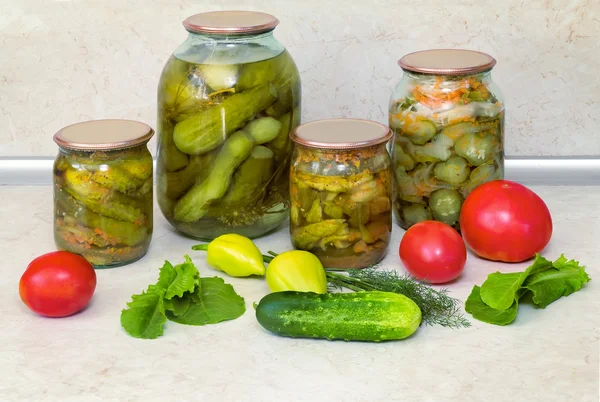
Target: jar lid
<point>447,62</point>
<point>231,22</point>
<point>341,134</point>
<point>109,134</point>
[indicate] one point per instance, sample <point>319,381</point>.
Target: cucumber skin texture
<point>361,316</point>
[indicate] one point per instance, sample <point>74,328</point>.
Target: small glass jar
<point>227,99</point>
<point>448,119</point>
<point>341,188</point>
<point>103,191</point>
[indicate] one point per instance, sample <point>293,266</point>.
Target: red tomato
<point>57,284</point>
<point>505,221</point>
<point>433,251</point>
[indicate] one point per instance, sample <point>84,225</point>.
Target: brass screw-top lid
<point>341,134</point>
<point>109,134</point>
<point>231,22</point>
<point>447,62</point>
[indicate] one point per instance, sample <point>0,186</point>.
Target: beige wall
<point>73,60</point>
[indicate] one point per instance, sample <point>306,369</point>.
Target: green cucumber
<point>362,316</point>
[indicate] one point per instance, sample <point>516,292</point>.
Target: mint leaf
<point>179,279</point>
<point>482,312</point>
<point>146,314</point>
<point>500,290</point>
<point>548,286</point>
<point>216,302</point>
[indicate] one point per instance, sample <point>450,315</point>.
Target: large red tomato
<point>57,284</point>
<point>505,221</point>
<point>433,251</point>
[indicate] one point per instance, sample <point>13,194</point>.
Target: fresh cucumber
<point>371,316</point>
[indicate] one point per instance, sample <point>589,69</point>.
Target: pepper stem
<point>203,247</point>
<point>267,258</point>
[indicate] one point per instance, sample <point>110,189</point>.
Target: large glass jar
<point>103,191</point>
<point>448,118</point>
<point>227,100</point>
<point>341,188</point>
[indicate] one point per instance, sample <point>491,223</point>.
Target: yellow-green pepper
<point>296,270</point>
<point>234,254</point>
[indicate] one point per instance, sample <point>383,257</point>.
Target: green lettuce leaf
<point>564,279</point>
<point>179,279</point>
<point>482,312</point>
<point>496,302</point>
<point>146,314</point>
<point>500,290</point>
<point>178,305</point>
<point>216,302</point>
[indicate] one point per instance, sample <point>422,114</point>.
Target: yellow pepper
<point>234,254</point>
<point>296,270</point>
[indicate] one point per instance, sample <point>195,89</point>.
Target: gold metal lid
<point>231,22</point>
<point>447,62</point>
<point>109,134</point>
<point>341,134</point>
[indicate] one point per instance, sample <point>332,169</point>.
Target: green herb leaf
<point>146,314</point>
<point>179,279</point>
<point>482,312</point>
<point>217,301</point>
<point>500,290</point>
<point>550,285</point>
<point>178,305</point>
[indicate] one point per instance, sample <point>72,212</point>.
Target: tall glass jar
<point>448,118</point>
<point>341,191</point>
<point>103,191</point>
<point>227,100</point>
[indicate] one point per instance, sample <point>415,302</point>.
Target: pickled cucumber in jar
<point>449,130</point>
<point>341,199</point>
<point>103,198</point>
<point>227,108</point>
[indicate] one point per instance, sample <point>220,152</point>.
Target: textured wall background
<point>66,61</point>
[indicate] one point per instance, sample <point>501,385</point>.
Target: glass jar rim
<point>447,62</point>
<point>378,134</point>
<point>231,22</point>
<point>103,135</point>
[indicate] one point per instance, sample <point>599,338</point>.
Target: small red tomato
<point>505,221</point>
<point>57,284</point>
<point>433,251</point>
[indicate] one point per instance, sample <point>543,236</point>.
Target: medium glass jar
<point>227,100</point>
<point>103,191</point>
<point>341,188</point>
<point>448,119</point>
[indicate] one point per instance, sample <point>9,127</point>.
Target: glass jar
<point>103,191</point>
<point>227,100</point>
<point>341,187</point>
<point>448,119</point>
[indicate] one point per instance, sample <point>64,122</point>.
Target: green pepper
<point>296,270</point>
<point>233,254</point>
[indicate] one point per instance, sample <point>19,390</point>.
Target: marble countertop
<point>545,355</point>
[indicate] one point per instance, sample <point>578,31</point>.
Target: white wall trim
<point>560,171</point>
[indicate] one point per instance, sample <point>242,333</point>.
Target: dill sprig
<point>437,307</point>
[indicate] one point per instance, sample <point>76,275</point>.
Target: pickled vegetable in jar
<point>447,115</point>
<point>227,100</point>
<point>103,191</point>
<point>341,189</point>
